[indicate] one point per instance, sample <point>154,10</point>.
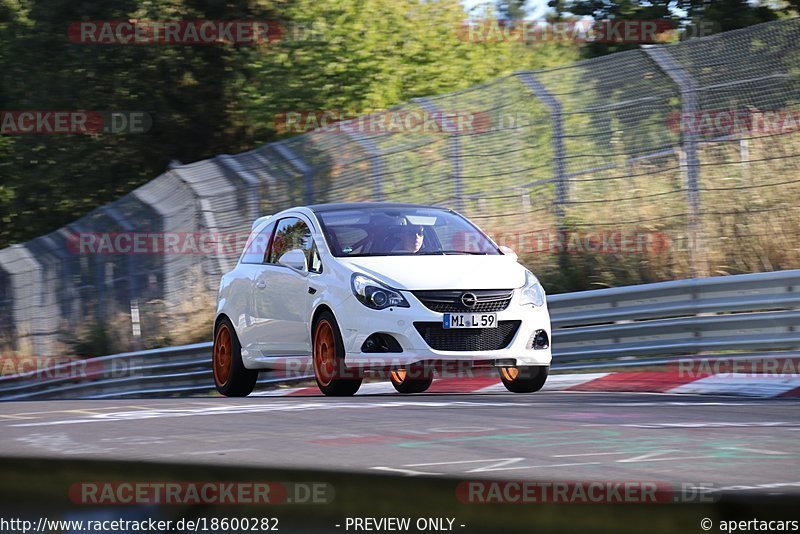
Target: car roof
<point>323,208</point>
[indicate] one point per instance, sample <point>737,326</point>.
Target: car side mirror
<point>296,259</point>
<point>508,252</point>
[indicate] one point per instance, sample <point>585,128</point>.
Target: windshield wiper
<point>445,252</point>
<point>378,254</point>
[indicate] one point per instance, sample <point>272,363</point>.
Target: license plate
<point>470,320</point>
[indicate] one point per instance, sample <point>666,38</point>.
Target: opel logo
<point>469,300</point>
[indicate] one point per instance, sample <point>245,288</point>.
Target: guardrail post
<point>559,153</point>
<point>689,163</point>
<point>453,151</point>
<point>306,170</point>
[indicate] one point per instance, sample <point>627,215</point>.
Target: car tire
<point>231,377</point>
<point>524,379</point>
<point>415,379</point>
<point>333,378</point>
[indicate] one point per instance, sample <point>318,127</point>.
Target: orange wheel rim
<point>399,375</point>
<point>324,352</point>
<point>510,373</point>
<point>222,355</point>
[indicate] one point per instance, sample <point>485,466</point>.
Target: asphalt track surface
<point>732,443</point>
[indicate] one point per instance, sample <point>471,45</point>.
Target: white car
<point>398,289</point>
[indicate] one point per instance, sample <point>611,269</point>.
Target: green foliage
<point>95,339</point>
<point>366,55</point>
<point>355,56</point>
<point>350,55</point>
<point>55,178</point>
<point>721,15</point>
<point>511,9</point>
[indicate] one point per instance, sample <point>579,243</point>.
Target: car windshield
<point>400,231</point>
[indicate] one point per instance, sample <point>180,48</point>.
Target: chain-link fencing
<point>659,163</point>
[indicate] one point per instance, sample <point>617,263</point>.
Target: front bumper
<point>357,323</point>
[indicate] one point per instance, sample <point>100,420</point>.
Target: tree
<point>367,55</point>
<point>721,15</point>
<point>511,9</point>
<point>48,180</point>
<point>349,55</point>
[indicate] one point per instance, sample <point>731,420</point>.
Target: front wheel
<point>333,378</point>
<point>524,379</point>
<point>231,377</point>
<point>415,379</point>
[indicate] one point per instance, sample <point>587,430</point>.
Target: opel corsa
<point>375,288</point>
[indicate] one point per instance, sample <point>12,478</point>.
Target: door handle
<point>261,284</point>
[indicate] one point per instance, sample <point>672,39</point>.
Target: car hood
<point>441,272</point>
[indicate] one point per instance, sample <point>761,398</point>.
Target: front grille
<point>449,301</point>
<point>468,339</point>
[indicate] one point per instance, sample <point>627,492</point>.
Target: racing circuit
<point>728,442</point>
<point>730,422</point>
<point>606,157</point>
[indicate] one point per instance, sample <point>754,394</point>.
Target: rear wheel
<point>231,377</point>
<point>333,378</point>
<point>524,379</point>
<point>415,379</point>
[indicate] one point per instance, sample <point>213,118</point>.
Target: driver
<point>410,239</point>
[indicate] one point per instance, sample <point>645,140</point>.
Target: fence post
<point>232,169</point>
<point>690,164</point>
<point>376,164</point>
<point>130,265</point>
<point>559,154</point>
<point>207,214</point>
<point>95,273</point>
<point>24,273</point>
<point>453,150</point>
<point>306,170</point>
<point>56,244</point>
<point>118,218</point>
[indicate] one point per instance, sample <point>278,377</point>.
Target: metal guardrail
<point>648,324</point>
<point>166,371</point>
<point>751,312</point>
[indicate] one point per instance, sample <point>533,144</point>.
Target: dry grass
<point>749,217</point>
<point>191,319</point>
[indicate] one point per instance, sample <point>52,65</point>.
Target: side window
<point>256,248</point>
<point>292,233</point>
<point>314,261</point>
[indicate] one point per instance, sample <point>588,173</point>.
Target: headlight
<point>532,291</point>
<point>374,294</point>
